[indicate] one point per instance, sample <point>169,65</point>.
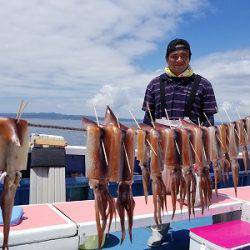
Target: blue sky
<point>221,26</point>
<point>68,56</point>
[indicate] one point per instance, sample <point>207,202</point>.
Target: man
<point>177,93</point>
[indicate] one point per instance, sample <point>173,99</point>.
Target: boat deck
<point>65,224</point>
<point>143,214</point>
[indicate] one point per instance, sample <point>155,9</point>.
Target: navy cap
<point>182,44</point>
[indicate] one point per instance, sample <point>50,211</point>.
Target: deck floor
<point>179,230</point>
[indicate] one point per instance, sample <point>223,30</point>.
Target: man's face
<point>178,61</point>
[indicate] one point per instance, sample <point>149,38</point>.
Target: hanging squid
<point>212,153</point>
<point>197,140</point>
<point>187,161</point>
<point>120,146</point>
<point>242,134</point>
<point>222,134</point>
<point>98,175</point>
<point>233,153</point>
<point>166,173</point>
<point>156,167</point>
<point>143,156</point>
<point>171,160</point>
<point>14,144</point>
<point>125,201</point>
<point>113,144</point>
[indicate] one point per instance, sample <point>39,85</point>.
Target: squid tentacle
<point>216,176</point>
<point>174,191</point>
<point>121,199</point>
<point>162,194</point>
<point>159,204</point>
<point>154,190</point>
<point>235,173</point>
<point>245,158</point>
<point>121,212</point>
<point>203,193</point>
<point>183,190</point>
<point>159,198</point>
<point>145,182</point>
<point>159,210</point>
<point>209,187</point>
<point>130,212</point>
<point>111,208</point>
<point>190,181</point>
<point>98,205</point>
<point>193,191</point>
<point>99,228</point>
<point>125,202</point>
<point>8,196</point>
<point>104,208</point>
<point>226,165</point>
<point>205,189</point>
<point>206,193</point>
<point>188,188</point>
<point>225,168</point>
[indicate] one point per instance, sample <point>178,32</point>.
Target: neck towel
<point>186,73</point>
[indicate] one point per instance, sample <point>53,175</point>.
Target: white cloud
<point>109,95</point>
<point>65,56</point>
<point>59,54</point>
<point>229,73</point>
<point>226,105</point>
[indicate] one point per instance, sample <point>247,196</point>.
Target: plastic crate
<point>228,235</point>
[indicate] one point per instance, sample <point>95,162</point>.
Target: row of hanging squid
<point>179,153</point>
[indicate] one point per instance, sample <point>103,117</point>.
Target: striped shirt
<point>177,91</point>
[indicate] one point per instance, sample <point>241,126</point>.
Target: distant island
<point>55,116</point>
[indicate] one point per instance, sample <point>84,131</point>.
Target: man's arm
<point>149,103</point>
<point>209,105</point>
<point>147,119</point>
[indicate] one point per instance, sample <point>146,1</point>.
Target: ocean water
<point>72,137</point>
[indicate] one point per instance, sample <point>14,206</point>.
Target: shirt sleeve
<point>209,105</point>
<point>149,103</point>
<point>149,99</point>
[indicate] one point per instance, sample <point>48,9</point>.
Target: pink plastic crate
<point>228,235</point>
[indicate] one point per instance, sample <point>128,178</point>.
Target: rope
<point>56,127</point>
